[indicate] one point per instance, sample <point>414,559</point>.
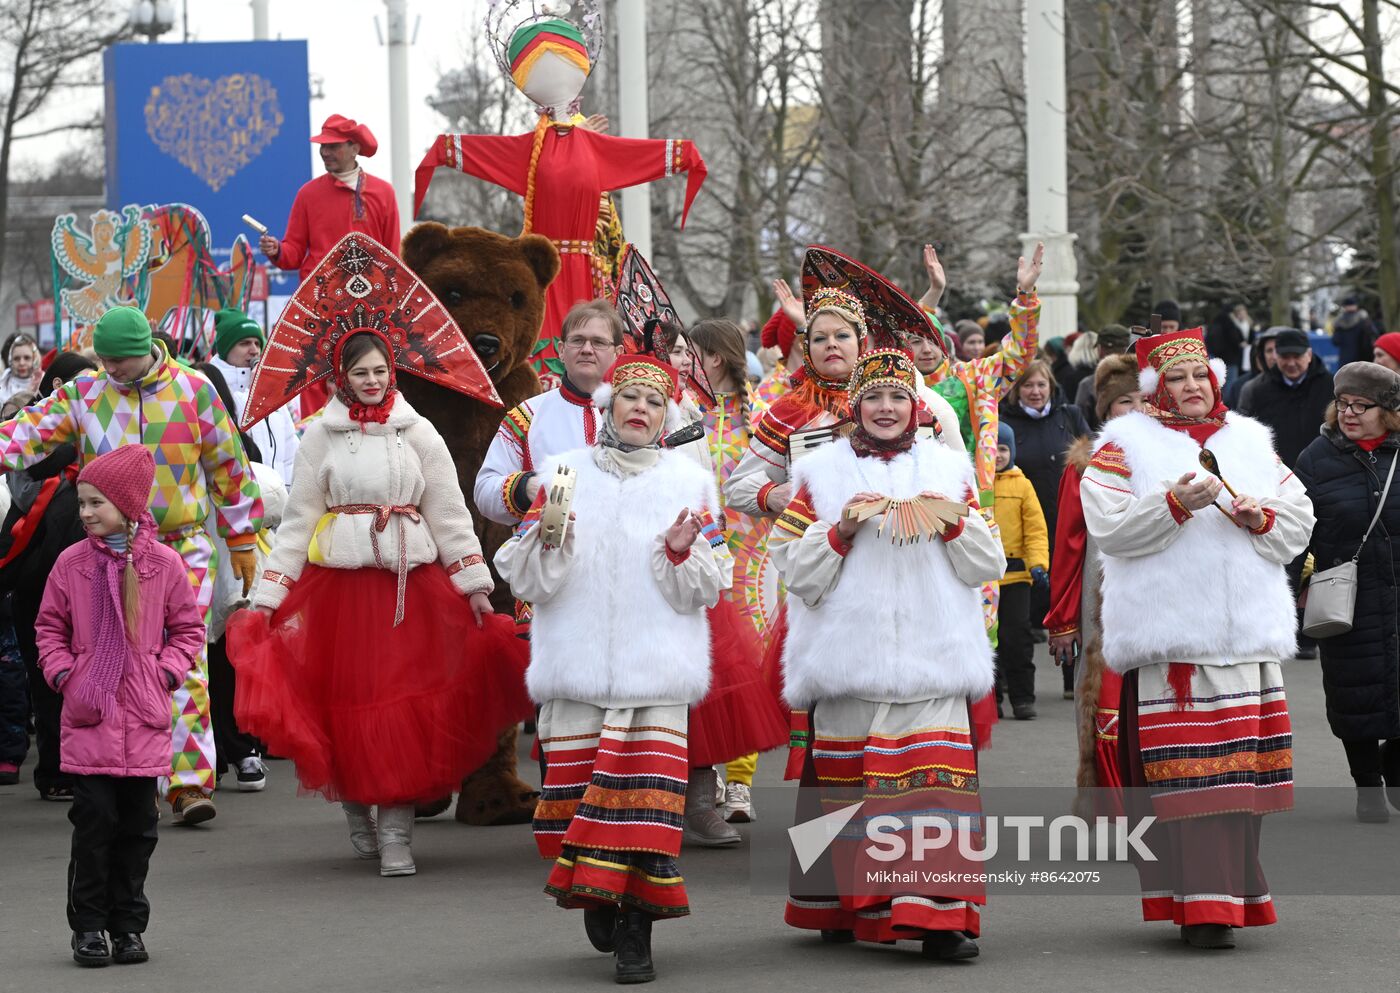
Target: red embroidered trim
<point>1178,509</point>
<point>277,577</point>
<point>1269,517</point>
<point>465,563</point>
<point>838,544</point>
<point>763,492</point>
<point>674,558</point>
<point>955,531</point>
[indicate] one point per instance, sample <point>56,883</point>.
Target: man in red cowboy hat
<point>329,207</point>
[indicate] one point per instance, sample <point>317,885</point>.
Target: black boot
<point>1208,935</point>
<point>600,924</point>
<point>90,948</point>
<point>128,948</point>
<point>634,948</point>
<point>838,936</point>
<point>949,946</point>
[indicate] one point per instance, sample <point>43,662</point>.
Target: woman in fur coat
<point>1197,614</point>
<point>620,649</point>
<point>374,660</point>
<point>911,615</point>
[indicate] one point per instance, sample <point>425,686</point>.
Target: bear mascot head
<point>494,288</point>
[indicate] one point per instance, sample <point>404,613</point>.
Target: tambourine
<point>559,499</point>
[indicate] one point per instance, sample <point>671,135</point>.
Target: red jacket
<point>324,212</point>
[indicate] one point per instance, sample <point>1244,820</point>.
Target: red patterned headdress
<point>1157,354</point>
<point>362,286</point>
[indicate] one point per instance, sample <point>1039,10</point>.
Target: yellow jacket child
<point>1024,536</point>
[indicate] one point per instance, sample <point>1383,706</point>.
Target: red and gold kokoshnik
<point>842,302</point>
<point>1178,348</point>
<point>883,367</point>
<point>643,371</point>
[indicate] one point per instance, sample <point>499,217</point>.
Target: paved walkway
<point>268,898</point>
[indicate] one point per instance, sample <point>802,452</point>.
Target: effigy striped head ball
<point>549,63</point>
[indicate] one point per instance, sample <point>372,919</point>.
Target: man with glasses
<point>551,423</point>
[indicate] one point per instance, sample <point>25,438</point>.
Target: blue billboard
<point>221,126</point>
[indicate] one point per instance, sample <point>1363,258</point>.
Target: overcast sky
<point>343,50</point>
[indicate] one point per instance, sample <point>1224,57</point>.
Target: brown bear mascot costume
<point>494,287</point>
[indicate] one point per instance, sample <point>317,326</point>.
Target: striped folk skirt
<point>1208,751</point>
<point>613,805</point>
<point>902,760</point>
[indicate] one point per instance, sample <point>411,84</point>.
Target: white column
<point>401,171</point>
<point>632,110</point>
<point>1047,167</point>
<point>259,20</point>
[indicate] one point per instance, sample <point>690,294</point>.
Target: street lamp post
<point>152,19</point>
<point>1047,167</point>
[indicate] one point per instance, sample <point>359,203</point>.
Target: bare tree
<point>739,80</point>
<point>48,48</point>
<point>1345,45</point>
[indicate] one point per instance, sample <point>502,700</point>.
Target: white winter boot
<point>395,839</point>
<point>362,833</point>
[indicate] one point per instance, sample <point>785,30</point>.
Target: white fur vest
<point>1209,594</point>
<point>899,625</point>
<point>609,636</point>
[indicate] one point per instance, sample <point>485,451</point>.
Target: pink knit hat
<point>124,476</point>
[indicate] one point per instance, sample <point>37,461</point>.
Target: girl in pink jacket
<point>117,632</point>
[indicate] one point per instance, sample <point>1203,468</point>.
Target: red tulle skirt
<point>370,712</point>
<point>740,714</point>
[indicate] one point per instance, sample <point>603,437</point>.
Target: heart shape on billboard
<point>213,127</point>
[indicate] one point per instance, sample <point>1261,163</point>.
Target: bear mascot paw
<point>494,288</point>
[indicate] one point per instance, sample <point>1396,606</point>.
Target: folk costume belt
<point>382,512</point>
<point>598,268</point>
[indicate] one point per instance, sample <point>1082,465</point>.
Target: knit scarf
<point>616,457</point>
<point>111,647</point>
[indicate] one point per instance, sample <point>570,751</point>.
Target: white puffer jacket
<point>401,463</point>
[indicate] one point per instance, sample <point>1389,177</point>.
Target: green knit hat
<point>122,333</point>
<point>231,326</point>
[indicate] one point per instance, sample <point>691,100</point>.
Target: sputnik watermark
<point>893,838</point>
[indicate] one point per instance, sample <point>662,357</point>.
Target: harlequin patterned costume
<point>175,412</point>
<point>1203,725</point>
<point>372,673</point>
<point>975,389</point>
<point>885,648</point>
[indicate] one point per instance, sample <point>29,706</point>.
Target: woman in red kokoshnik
<point>760,485</point>
<point>1197,615</point>
<point>620,651</point>
<point>886,649</point>
<point>377,664</point>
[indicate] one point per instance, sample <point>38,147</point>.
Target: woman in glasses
<point>1345,470</point>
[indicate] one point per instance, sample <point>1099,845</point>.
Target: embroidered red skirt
<point>370,712</point>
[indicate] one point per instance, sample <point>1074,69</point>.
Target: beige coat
<point>403,462</point>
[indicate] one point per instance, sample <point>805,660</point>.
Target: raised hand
<point>791,305</point>
<point>937,280</point>
<point>596,122</point>
<point>1028,273</point>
